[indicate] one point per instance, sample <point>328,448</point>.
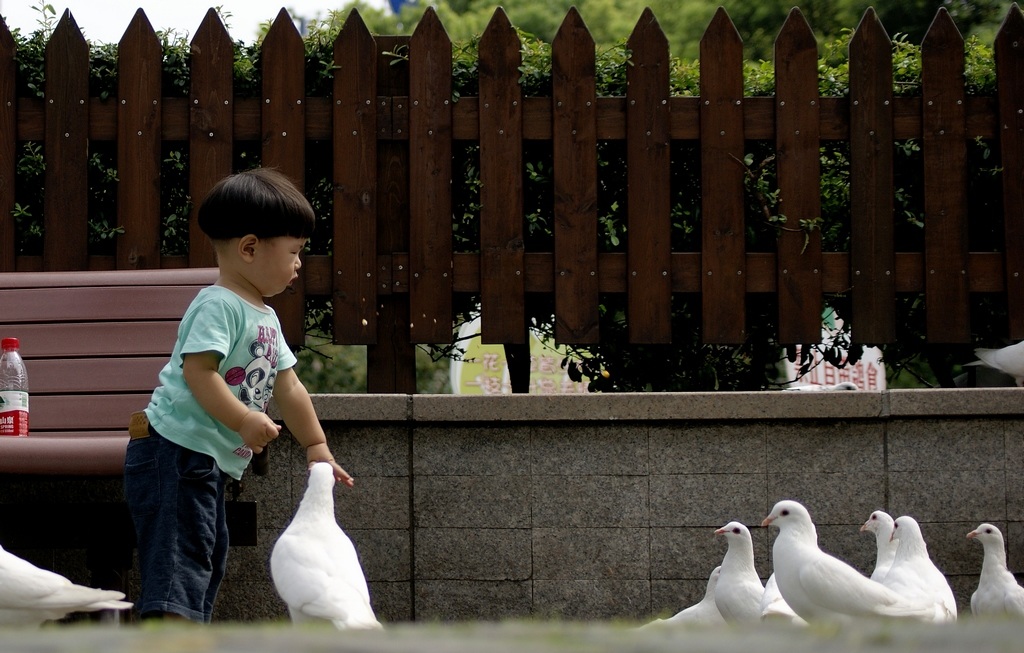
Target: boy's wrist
<point>241,420</point>
<point>317,451</point>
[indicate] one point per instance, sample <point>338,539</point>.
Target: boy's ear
<point>247,246</point>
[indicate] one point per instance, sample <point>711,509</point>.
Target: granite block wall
<point>604,507</point>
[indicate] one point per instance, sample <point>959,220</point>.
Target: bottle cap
<point>9,343</point>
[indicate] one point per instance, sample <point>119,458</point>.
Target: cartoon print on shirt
<point>255,382</point>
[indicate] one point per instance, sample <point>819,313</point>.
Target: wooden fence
<point>393,270</point>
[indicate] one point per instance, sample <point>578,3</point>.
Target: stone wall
<point>604,506</point>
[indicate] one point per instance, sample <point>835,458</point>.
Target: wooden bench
<point>93,344</point>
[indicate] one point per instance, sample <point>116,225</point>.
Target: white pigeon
<point>998,593</point>
<point>914,576</point>
<point>703,612</point>
<point>880,524</point>
<point>739,591</point>
<point>30,596</point>
<point>819,586</point>
<point>775,608</point>
<point>1008,360</point>
<point>315,567</point>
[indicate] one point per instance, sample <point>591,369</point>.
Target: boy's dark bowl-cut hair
<point>260,201</point>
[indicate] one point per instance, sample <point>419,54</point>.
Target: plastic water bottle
<point>13,390</point>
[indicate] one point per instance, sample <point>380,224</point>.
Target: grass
<point>519,636</point>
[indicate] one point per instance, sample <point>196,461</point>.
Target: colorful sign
<point>868,373</point>
<point>483,369</point>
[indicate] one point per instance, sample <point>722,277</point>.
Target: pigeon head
<point>788,514</point>
<point>987,534</point>
<point>878,521</point>
<point>321,475</point>
<point>713,579</point>
<point>906,528</point>
<point>715,573</point>
<point>322,470</point>
<point>734,529</point>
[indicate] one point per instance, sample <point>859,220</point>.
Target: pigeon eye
<point>988,530</point>
<point>736,530</point>
<point>784,513</point>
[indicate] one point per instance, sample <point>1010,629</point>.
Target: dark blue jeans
<point>176,500</point>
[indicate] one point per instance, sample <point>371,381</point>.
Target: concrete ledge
<point>361,408</point>
<point>668,406</point>
<point>649,406</point>
<point>956,401</point>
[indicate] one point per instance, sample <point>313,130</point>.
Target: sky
<point>105,21</point>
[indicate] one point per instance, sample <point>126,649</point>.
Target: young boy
<point>208,416</point>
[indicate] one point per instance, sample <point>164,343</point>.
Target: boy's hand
<point>258,430</point>
<point>318,453</point>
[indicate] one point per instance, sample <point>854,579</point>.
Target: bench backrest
<point>93,344</point>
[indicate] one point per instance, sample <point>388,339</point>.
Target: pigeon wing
<point>345,568</point>
<point>321,576</point>
<point>1013,600</point>
<point>773,606</point>
<point>29,594</point>
<point>838,587</point>
<point>340,604</point>
<point>24,585</point>
<point>1009,360</point>
<point>296,566</point>
<point>740,599</point>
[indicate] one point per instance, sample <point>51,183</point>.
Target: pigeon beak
<point>767,521</point>
<point>863,527</point>
<point>720,531</point>
<point>972,535</point>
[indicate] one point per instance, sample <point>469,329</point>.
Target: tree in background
<point>978,17</point>
<point>611,21</point>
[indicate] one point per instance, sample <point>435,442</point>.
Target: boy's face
<point>277,264</point>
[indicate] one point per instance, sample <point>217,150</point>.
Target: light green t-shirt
<point>252,350</point>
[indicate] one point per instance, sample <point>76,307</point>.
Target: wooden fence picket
<point>211,125</point>
<point>797,146</point>
<point>872,254</point>
<point>391,360</point>
<point>944,126</point>
<point>66,182</point>
<point>430,182</point>
<point>354,145</point>
<point>283,119</point>
<point>723,270</point>
<point>1009,54</point>
<point>574,136</point>
<point>8,149</point>
<point>648,199</point>
<point>139,78</point>
<point>502,269</point>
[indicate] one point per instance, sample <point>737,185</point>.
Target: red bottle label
<point>13,413</point>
